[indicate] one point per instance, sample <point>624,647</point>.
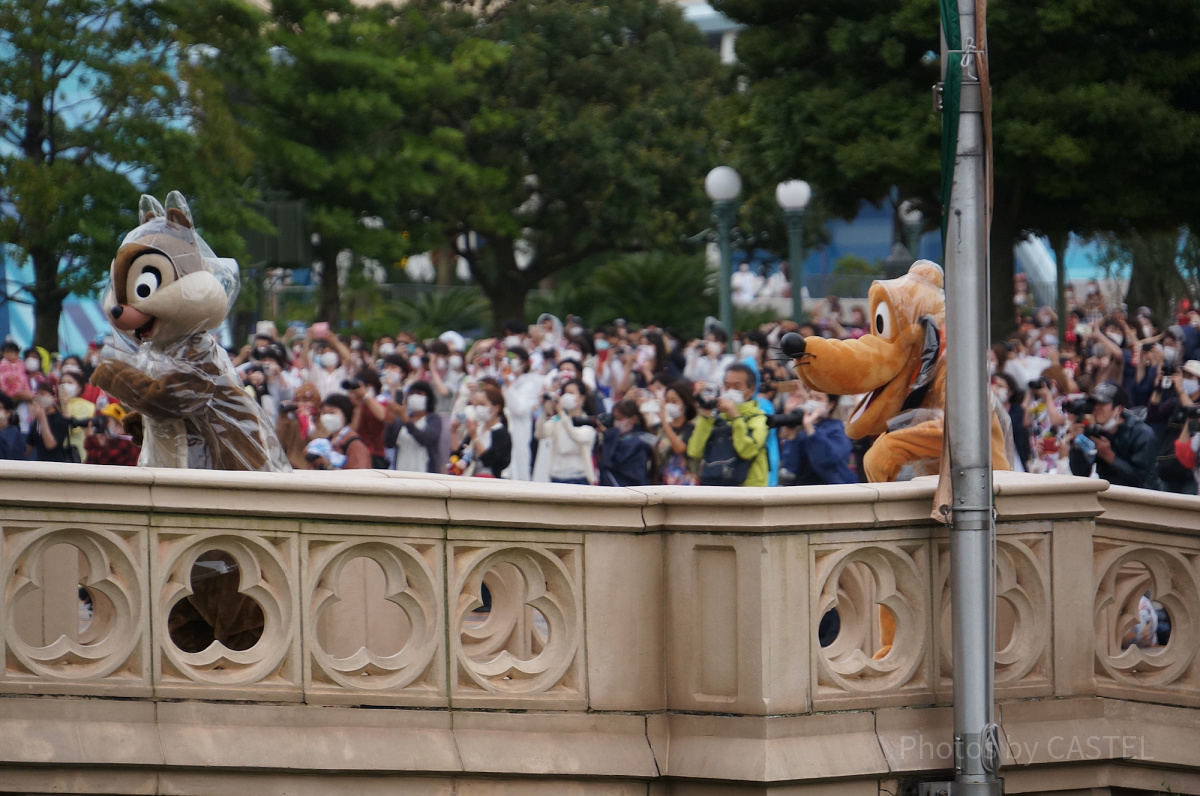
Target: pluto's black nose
<point>792,345</point>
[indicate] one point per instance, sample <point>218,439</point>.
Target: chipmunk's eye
<point>148,282</point>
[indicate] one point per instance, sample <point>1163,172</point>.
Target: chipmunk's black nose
<point>117,310</point>
<point>792,345</point>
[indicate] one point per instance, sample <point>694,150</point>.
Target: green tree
<point>346,108</point>
<point>591,134</point>
<point>84,85</point>
<point>1095,111</point>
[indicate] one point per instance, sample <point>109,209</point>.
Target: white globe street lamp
<point>793,197</point>
<point>723,186</point>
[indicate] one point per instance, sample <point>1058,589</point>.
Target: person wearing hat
<point>107,442</point>
<point>321,455</point>
<point>1123,449</point>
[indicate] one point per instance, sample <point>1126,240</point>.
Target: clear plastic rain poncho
<point>166,291</point>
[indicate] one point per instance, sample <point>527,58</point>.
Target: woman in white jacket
<point>565,453</point>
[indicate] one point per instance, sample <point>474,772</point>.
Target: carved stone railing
<point>199,632</point>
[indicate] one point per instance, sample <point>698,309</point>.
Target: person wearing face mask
<point>487,451</point>
<point>730,439</point>
<point>626,452</point>
<point>107,442</point>
<point>336,414</point>
<point>298,421</point>
<point>370,416</point>
<point>676,424</point>
<point>418,441</point>
<point>1123,449</point>
<point>12,441</point>
<point>706,360</point>
<point>78,410</point>
<point>1006,390</point>
<point>565,455</point>
<point>522,391</point>
<point>820,453</point>
<point>48,429</point>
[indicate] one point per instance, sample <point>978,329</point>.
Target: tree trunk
<point>329,304</point>
<point>1059,242</point>
<point>1154,279</point>
<point>47,298</point>
<point>508,289</point>
<point>1005,231</point>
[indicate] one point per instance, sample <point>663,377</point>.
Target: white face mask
<point>33,364</point>
<point>1170,355</point>
<point>737,396</point>
<point>387,349</point>
<point>391,377</point>
<point>329,360</point>
<point>68,389</point>
<point>1190,385</point>
<point>332,422</point>
<point>415,403</point>
<point>456,363</point>
<point>1111,424</point>
<point>1002,394</point>
<point>44,401</point>
<point>1116,337</point>
<point>674,411</point>
<point>573,355</point>
<point>715,349</point>
<point>415,362</point>
<point>512,341</point>
<point>650,407</point>
<point>569,401</point>
<point>812,405</point>
<point>749,352</point>
<point>624,426</point>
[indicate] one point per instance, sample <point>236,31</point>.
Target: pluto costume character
<point>900,369</point>
<point>166,290</point>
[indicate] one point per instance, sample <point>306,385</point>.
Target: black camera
<point>605,420</point>
<point>788,420</point>
<point>547,398</point>
<point>1092,430</point>
<point>1168,369</point>
<point>288,406</point>
<point>1038,384</point>
<point>351,384</point>
<point>707,400</point>
<point>1192,412</point>
<point>1080,407</point>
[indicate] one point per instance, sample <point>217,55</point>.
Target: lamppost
<point>792,197</point>
<point>911,217</point>
<point>723,185</point>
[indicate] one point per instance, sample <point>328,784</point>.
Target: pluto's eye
<point>883,320</point>
<point>148,282</point>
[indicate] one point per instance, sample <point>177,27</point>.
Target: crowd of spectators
<point>616,405</point>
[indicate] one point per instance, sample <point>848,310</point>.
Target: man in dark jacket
<point>1123,448</point>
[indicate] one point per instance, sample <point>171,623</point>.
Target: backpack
<point>721,466</point>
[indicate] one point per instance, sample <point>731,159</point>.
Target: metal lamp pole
<point>792,197</point>
<point>911,217</point>
<point>968,425</point>
<point>723,185</point>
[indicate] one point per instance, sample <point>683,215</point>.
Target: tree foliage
<point>589,136</point>
<point>93,111</point>
<point>1095,110</point>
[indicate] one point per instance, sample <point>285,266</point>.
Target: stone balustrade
<point>209,633</point>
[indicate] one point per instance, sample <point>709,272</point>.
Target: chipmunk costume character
<point>899,368</point>
<point>166,290</point>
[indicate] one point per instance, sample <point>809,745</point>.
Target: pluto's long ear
<point>148,208</point>
<point>178,210</point>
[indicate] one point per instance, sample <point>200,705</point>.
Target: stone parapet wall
<point>330,632</point>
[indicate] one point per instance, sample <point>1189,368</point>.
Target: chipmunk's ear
<point>178,210</point>
<point>148,208</point>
